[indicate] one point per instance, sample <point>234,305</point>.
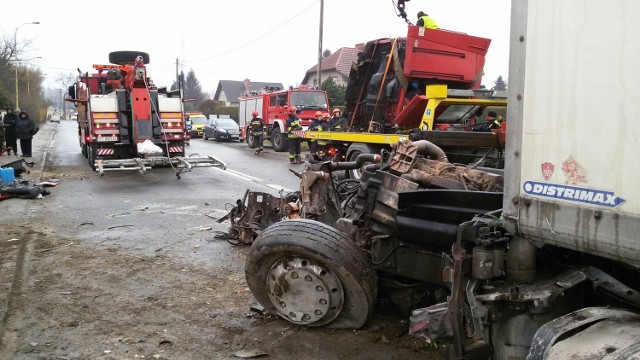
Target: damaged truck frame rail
<point>126,123</point>
<point>538,260</point>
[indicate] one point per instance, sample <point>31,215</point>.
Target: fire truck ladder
<point>179,164</point>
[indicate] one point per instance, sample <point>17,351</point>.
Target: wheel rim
<point>355,174</point>
<point>304,291</point>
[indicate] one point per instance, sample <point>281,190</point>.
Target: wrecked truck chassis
<point>420,231</point>
<point>375,222</point>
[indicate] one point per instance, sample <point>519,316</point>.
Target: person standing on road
<point>426,21</point>
<point>256,127</point>
<point>3,147</point>
<point>9,121</point>
<point>25,129</point>
<point>293,124</point>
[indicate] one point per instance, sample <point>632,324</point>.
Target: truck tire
<point>353,152</point>
<point>251,143</point>
<point>127,57</point>
<point>329,280</point>
<point>278,140</point>
<point>355,174</point>
<point>84,151</point>
<point>91,158</point>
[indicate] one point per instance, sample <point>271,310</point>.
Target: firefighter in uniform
<point>426,21</point>
<point>256,126</point>
<point>335,123</point>
<point>294,123</point>
<point>318,124</point>
<point>493,120</point>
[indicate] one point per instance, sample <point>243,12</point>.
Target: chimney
<point>247,85</point>
<point>360,47</point>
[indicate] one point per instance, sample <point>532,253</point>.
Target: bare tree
<point>14,67</point>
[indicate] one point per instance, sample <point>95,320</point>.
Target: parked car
<point>220,129</point>
<point>54,118</point>
<point>198,121</point>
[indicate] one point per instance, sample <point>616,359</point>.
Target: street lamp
<point>15,45</point>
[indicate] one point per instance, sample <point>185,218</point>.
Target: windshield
<point>197,120</point>
<point>315,100</point>
<point>227,124</point>
<point>455,114</point>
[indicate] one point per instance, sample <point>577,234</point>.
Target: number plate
<point>107,138</point>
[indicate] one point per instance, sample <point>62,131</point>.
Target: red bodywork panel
<point>437,56</point>
<point>445,55</point>
<point>141,108</point>
<point>412,114</point>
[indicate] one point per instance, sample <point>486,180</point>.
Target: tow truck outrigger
<point>126,123</point>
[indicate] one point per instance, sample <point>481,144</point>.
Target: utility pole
<point>177,75</point>
<point>319,73</point>
<point>64,107</point>
<point>17,104</point>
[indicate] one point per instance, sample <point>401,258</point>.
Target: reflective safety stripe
<point>102,152</point>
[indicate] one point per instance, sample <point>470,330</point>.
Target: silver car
<point>221,129</point>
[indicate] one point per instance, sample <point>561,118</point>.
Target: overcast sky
<point>265,41</point>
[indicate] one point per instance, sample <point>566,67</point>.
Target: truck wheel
<point>127,57</point>
<point>278,140</point>
<point>353,152</point>
<point>355,174</point>
<point>84,151</point>
<point>311,274</point>
<point>91,151</point>
<point>251,142</point>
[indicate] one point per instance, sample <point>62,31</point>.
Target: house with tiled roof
<point>228,91</point>
<point>336,66</point>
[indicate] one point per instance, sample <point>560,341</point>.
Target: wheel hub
<point>304,291</point>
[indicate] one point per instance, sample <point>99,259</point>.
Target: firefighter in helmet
<point>256,128</point>
<point>335,123</point>
<point>294,123</point>
<point>318,124</point>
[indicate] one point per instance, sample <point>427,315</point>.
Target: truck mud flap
<point>572,324</point>
<point>179,163</point>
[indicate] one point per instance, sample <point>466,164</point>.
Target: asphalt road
<point>127,265</point>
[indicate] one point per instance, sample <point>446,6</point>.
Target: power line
<point>258,38</point>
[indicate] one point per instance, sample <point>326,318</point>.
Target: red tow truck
<point>126,123</point>
<point>422,86</point>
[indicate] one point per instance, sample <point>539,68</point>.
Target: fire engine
<point>272,106</point>
<point>126,123</point>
